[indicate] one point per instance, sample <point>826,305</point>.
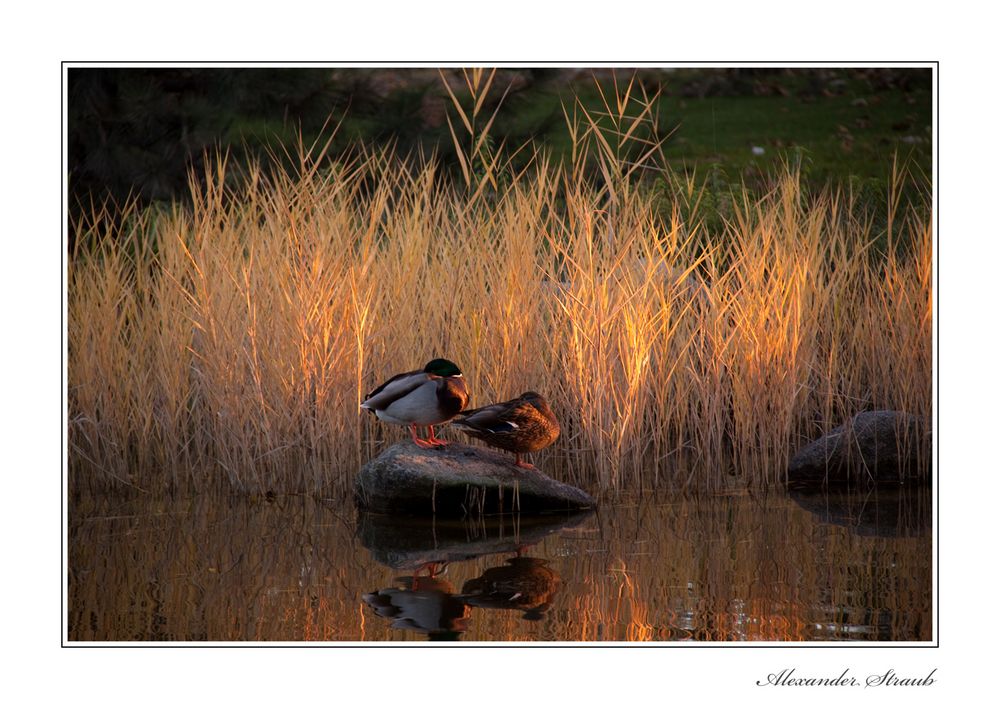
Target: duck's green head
<point>443,368</point>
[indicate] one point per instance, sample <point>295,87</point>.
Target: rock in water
<point>873,447</point>
<point>457,481</point>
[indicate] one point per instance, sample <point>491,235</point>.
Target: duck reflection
<point>426,604</point>
<point>429,604</point>
<point>523,583</point>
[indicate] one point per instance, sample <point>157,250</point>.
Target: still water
<point>779,567</point>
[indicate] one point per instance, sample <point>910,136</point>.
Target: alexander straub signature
<point>790,677</point>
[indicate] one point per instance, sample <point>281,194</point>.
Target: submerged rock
<point>459,481</point>
<point>873,447</point>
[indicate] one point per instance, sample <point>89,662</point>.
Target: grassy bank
<point>231,342</point>
<point>136,131</point>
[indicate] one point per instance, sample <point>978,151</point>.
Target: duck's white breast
<point>419,406</point>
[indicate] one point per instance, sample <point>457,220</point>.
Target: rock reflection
<point>897,511</point>
<point>412,542</point>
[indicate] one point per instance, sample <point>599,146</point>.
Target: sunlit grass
<point>231,341</point>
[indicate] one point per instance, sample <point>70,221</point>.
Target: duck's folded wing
<point>396,388</point>
<point>494,418</point>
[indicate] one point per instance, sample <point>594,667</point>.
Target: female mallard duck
<point>426,397</point>
<point>522,425</point>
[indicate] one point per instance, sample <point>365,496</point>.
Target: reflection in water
<point>889,511</point>
<point>426,604</point>
<point>729,568</point>
<point>523,583</point>
<point>429,604</point>
<point>401,542</point>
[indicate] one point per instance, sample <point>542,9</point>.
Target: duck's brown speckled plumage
<point>522,425</point>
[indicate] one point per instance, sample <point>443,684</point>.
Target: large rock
<point>873,447</point>
<point>459,481</point>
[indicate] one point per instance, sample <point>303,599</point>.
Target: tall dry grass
<point>232,340</point>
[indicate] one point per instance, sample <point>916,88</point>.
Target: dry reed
<point>232,340</point>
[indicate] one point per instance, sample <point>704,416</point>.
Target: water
<point>779,567</point>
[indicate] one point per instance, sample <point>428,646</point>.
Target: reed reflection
<point>733,568</point>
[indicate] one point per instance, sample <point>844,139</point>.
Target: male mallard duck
<point>426,397</point>
<point>522,425</point>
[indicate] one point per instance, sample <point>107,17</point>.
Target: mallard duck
<point>426,397</point>
<point>522,425</point>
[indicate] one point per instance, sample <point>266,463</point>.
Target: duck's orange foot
<point>434,440</point>
<point>423,443</point>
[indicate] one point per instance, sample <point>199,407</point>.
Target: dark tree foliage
<point>135,132</point>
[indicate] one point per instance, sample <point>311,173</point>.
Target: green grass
<point>139,132</point>
<point>838,137</point>
<point>850,136</point>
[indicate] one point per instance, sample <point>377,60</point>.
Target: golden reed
<point>232,340</point>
